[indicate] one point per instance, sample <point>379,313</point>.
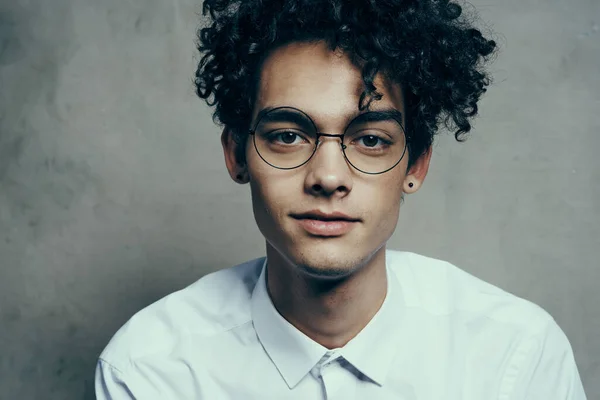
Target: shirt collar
<point>373,350</point>
<point>294,354</point>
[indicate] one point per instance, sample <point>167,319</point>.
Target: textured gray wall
<point>113,190</point>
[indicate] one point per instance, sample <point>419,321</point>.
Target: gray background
<point>113,190</point>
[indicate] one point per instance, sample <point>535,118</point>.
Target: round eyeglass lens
<point>285,137</point>
<point>373,144</point>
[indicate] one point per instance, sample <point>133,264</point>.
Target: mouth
<point>322,224</point>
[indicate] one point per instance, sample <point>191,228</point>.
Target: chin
<point>322,258</point>
<point>323,272</point>
<point>328,264</point>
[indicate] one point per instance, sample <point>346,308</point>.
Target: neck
<point>330,312</point>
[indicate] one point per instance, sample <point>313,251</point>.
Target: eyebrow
<point>280,114</point>
<point>285,114</point>
<point>386,114</point>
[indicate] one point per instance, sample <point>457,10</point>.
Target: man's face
<point>326,86</point>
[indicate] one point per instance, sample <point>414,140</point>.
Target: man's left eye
<point>371,140</point>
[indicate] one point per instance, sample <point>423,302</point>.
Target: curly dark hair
<point>429,47</point>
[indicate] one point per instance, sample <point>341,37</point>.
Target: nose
<point>328,172</point>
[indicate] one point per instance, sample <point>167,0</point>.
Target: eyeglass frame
<point>318,134</point>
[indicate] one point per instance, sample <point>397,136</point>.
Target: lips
<point>318,223</point>
<point>322,216</point>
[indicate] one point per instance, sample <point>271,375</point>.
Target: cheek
<point>273,199</point>
<point>272,194</point>
<point>387,190</point>
<point>264,215</point>
<point>386,200</point>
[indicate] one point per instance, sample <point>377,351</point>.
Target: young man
<point>330,108</point>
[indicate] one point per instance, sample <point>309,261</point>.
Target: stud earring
<point>410,184</point>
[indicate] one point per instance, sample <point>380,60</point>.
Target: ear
<point>238,172</point>
<point>417,172</point>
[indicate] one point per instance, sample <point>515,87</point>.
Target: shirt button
<point>330,361</point>
<point>316,372</point>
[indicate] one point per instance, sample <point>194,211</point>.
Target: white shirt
<point>441,333</point>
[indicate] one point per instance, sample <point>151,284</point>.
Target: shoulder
<point>517,340</point>
<point>442,288</point>
<point>216,303</point>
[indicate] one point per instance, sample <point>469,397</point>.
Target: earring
<point>242,177</point>
<point>410,184</point>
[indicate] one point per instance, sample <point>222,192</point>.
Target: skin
<point>327,287</point>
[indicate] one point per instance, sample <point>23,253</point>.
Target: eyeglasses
<point>373,142</point>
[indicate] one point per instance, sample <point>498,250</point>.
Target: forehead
<point>324,84</point>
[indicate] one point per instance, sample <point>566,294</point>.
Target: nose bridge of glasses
<point>327,155</point>
<point>319,135</point>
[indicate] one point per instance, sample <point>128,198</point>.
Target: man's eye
<point>286,137</point>
<point>372,141</point>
